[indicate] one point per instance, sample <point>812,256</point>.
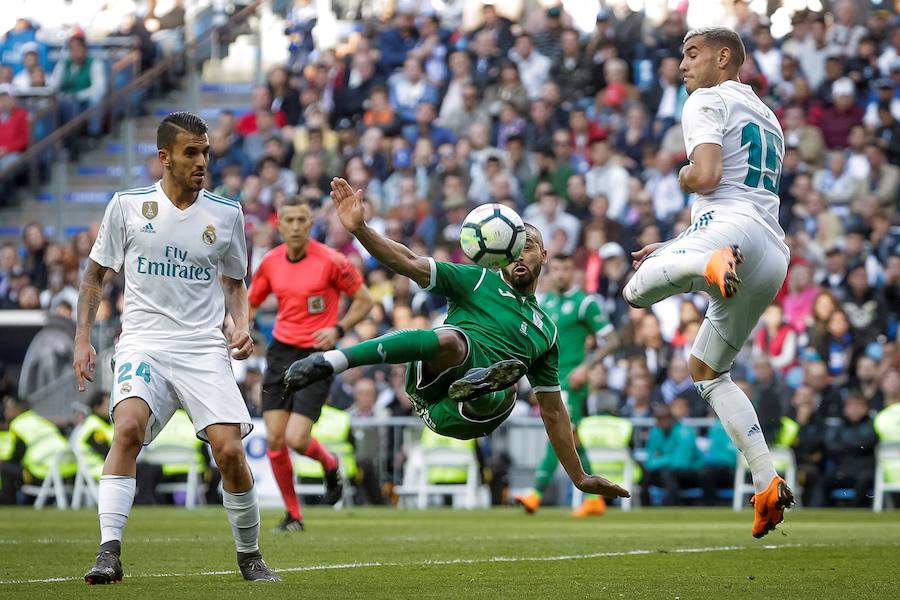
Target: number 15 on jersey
<point>752,134</point>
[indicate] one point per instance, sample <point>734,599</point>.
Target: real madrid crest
<point>126,388</point>
<point>150,209</point>
<point>209,235</point>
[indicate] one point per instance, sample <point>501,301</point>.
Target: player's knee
<point>298,439</point>
<point>274,440</point>
<point>700,371</point>
<point>229,456</point>
<point>452,344</point>
<point>129,432</point>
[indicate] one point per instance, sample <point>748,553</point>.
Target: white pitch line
<point>455,561</point>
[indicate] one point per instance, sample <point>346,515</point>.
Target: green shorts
<point>575,402</point>
<point>449,418</point>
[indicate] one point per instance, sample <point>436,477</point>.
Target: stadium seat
<point>887,474</point>
<point>85,488</point>
<point>606,440</point>
<point>177,450</point>
<point>442,466</point>
<point>53,484</point>
<point>887,456</point>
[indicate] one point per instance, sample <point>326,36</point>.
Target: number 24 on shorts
<point>143,371</point>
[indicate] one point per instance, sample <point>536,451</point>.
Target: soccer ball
<point>492,235</point>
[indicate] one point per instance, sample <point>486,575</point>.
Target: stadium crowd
<point>580,132</point>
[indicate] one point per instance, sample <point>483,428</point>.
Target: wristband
<point>341,331</point>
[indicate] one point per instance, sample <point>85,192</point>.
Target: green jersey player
<point>461,376</point>
<point>577,316</point>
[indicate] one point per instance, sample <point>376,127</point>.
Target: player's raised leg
<point>439,350</point>
<point>683,265</point>
<point>116,488</point>
<point>239,499</point>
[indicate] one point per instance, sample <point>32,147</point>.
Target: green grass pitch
<point>501,553</point>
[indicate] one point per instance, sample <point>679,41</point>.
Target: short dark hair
<point>295,200</point>
<point>176,122</point>
<point>721,37</point>
<point>534,232</point>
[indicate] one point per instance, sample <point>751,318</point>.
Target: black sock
<point>114,546</point>
<point>242,556</point>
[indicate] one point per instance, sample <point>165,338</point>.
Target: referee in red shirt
<point>307,278</point>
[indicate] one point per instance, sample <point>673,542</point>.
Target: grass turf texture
<point>501,553</point>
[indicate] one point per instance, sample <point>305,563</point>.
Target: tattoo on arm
<point>89,296</point>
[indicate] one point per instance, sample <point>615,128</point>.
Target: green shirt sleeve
<point>453,280</point>
<point>544,373</point>
<point>593,316</point>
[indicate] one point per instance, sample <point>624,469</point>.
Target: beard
<point>525,278</point>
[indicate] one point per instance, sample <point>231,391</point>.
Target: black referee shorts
<point>308,401</point>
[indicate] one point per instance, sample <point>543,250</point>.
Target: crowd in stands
<point>71,62</point>
<point>580,132</point>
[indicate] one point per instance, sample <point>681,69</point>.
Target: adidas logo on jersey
<point>753,430</point>
<point>148,228</point>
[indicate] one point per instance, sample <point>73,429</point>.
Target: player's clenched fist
<point>241,344</point>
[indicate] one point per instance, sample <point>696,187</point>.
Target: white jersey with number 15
<point>732,116</point>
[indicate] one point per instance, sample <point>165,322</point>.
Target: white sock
<point>115,497</point>
<point>337,360</point>
<point>243,514</point>
<point>665,275</point>
<point>739,418</point>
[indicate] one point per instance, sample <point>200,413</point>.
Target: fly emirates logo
<point>173,266</point>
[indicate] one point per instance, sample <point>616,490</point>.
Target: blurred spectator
<point>534,67</point>
<point>13,128</point>
<point>672,457</point>
<point>80,80</point>
<point>408,88</point>
<point>776,340</point>
<point>497,27</point>
<point>810,449</point>
<point>260,100</point>
<point>841,115</point>
<point>770,397</point>
<point>601,399</point>
<point>396,42</point>
<point>607,178</point>
<point>845,34</point>
<point>851,448</point>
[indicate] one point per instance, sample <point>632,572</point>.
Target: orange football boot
<point>591,507</point>
<point>530,501</point>
<point>721,270</point>
<point>769,506</point>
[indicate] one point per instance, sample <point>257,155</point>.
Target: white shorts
<point>729,322</point>
<point>202,383</point>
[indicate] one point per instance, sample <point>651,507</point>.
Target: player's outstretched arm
<point>89,296</point>
<point>559,430</point>
<point>393,255</point>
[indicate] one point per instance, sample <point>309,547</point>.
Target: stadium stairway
<point>97,174</point>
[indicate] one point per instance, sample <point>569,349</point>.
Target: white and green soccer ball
<point>492,235</point>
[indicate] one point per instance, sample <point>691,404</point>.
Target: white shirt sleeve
<point>703,119</point>
<point>234,261</point>
<point>109,247</point>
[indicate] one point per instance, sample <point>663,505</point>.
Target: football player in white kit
<point>185,257</point>
<point>734,248</point>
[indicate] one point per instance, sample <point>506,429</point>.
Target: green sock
<point>394,348</point>
<point>546,469</point>
<point>586,465</point>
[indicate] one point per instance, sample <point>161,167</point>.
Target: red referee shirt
<point>308,290</point>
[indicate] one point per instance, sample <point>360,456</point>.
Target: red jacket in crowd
<point>14,130</point>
